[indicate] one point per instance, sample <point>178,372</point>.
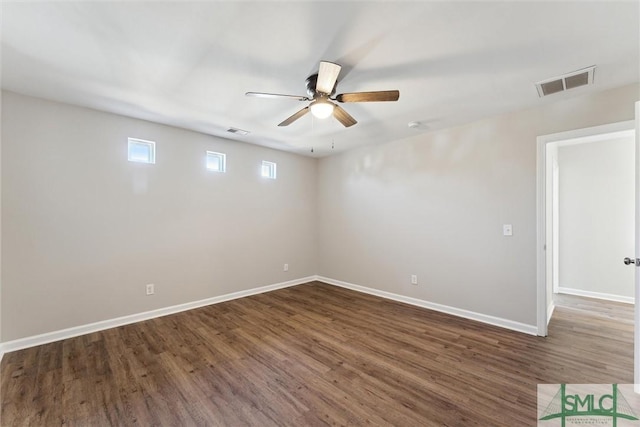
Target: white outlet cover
<point>507,230</point>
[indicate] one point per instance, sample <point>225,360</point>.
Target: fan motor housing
<point>312,81</point>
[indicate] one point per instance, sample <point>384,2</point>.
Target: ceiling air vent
<point>238,131</point>
<point>565,82</point>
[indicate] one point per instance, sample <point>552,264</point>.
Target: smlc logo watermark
<point>615,405</point>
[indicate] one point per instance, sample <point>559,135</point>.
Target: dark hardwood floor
<point>309,355</point>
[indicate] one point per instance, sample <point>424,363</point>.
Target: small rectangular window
<point>142,151</point>
<point>268,169</point>
<point>216,162</point>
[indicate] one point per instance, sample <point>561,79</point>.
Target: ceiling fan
<point>321,88</point>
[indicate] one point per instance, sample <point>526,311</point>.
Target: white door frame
<point>578,135</point>
<point>636,330</point>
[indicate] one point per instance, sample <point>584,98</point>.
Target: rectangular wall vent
<point>567,81</point>
<point>238,131</point>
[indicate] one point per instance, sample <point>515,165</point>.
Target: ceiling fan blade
<point>276,95</point>
<point>343,117</point>
<point>327,76</point>
<point>295,117</point>
<point>384,95</point>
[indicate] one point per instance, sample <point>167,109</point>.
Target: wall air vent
<point>238,131</point>
<point>567,81</point>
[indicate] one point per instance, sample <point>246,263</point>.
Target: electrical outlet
<point>414,279</point>
<point>286,267</point>
<point>507,230</point>
<point>150,289</point>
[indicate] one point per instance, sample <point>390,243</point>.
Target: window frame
<point>271,168</point>
<point>131,142</point>
<point>222,159</point>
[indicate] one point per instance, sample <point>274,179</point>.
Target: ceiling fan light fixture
<point>321,108</point>
<point>321,87</point>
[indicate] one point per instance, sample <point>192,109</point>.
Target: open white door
<point>636,351</point>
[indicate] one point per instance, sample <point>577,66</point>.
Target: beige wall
<point>84,230</point>
<point>434,205</point>
<point>596,201</point>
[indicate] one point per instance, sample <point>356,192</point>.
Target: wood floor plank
<point>313,355</point>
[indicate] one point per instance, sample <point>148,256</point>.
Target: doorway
<point>592,213</point>
<point>547,204</point>
<point>549,147</point>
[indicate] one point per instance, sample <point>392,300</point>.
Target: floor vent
<point>566,81</point>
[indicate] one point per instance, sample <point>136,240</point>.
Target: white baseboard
<point>599,295</point>
<point>75,331</point>
<point>550,309</point>
<point>48,337</point>
<point>496,321</point>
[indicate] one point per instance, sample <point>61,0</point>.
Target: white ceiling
<point>189,64</point>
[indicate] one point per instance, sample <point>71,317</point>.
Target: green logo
<point>588,404</point>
